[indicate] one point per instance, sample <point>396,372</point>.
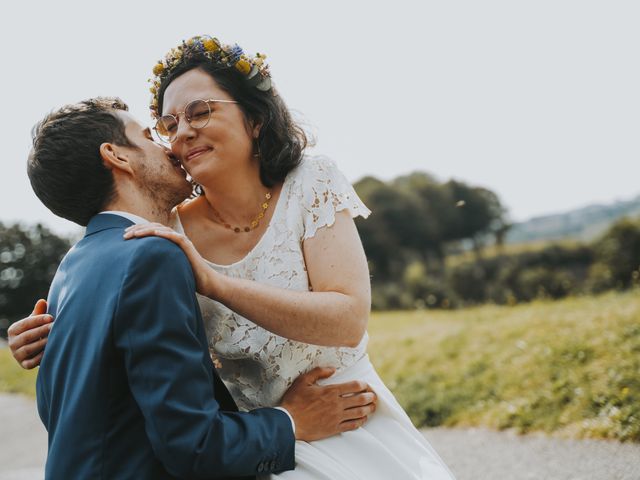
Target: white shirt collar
<point>129,216</point>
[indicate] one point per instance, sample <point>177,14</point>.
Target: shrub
<point>617,255</point>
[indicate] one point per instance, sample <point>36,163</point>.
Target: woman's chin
<point>208,175</point>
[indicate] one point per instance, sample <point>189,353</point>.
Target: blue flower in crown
<point>226,56</point>
<point>235,53</point>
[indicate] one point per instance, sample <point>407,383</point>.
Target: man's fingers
<point>351,388</point>
<point>318,373</point>
<point>32,362</point>
<point>29,350</point>
<point>358,412</point>
<point>34,334</point>
<point>349,425</point>
<point>40,307</point>
<point>28,323</point>
<point>359,400</point>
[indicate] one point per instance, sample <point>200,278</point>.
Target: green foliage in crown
<point>254,68</point>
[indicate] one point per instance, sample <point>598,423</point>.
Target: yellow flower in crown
<point>244,66</point>
<point>158,68</point>
<point>210,49</point>
<point>210,45</point>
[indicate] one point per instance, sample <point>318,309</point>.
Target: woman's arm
<point>335,313</point>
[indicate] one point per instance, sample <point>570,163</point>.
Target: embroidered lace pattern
<point>258,366</point>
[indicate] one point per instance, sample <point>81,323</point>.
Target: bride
<point>277,257</point>
<point>278,261</point>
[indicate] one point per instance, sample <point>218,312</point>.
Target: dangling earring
<point>196,189</point>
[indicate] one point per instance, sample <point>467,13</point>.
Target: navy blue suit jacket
<point>126,387</point>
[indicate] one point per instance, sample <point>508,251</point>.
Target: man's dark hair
<point>280,143</point>
<point>65,167</point>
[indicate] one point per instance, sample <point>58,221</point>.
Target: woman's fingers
<point>141,226</point>
<point>146,230</point>
<point>159,230</point>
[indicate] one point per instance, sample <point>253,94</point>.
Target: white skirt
<point>387,447</point>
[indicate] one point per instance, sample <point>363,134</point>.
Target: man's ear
<point>115,158</point>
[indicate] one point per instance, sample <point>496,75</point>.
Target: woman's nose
<point>184,130</point>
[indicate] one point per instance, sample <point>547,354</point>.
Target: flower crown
<point>224,56</point>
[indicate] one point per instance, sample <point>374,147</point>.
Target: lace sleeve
<point>325,192</point>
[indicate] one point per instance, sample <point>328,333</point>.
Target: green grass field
<point>14,379</point>
<point>569,367</point>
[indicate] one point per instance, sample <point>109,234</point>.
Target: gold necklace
<point>254,223</point>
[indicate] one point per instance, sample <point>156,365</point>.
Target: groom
<point>127,388</point>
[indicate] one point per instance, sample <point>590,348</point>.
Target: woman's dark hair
<point>65,167</point>
<point>280,143</point>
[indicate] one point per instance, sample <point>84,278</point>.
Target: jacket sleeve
<point>159,331</point>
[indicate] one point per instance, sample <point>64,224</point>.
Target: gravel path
<point>478,454</point>
<point>23,439</point>
<point>474,454</point>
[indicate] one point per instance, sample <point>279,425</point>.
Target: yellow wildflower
<point>210,45</point>
<point>158,69</point>
<point>243,66</point>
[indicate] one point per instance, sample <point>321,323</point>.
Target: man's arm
<point>160,334</point>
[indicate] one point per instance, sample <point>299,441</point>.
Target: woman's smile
<point>196,152</point>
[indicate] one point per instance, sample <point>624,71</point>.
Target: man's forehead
<point>130,122</point>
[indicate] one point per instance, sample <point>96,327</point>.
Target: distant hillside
<point>582,224</point>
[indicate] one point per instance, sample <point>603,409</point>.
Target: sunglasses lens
<point>197,113</point>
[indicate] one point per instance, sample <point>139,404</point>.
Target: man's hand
<point>27,337</point>
<point>322,411</point>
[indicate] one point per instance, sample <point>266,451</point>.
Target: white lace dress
<point>258,366</point>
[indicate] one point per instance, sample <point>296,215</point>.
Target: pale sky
<point>538,101</point>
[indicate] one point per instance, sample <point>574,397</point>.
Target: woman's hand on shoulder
<point>208,281</point>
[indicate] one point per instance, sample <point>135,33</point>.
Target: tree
<point>29,257</point>
<point>618,253</point>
